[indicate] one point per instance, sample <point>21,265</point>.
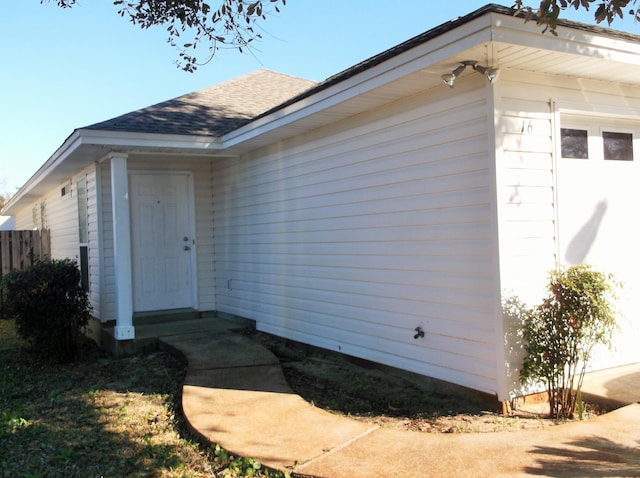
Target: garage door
<point>598,193</point>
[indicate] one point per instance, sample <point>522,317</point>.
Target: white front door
<point>162,242</point>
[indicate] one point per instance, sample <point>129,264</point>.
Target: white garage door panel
<point>597,225</point>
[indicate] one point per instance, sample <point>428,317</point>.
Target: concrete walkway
<point>235,395</point>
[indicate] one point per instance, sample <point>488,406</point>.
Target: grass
<point>108,417</point>
<point>100,417</point>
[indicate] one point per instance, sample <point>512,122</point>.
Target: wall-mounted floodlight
<point>450,78</point>
<point>490,73</point>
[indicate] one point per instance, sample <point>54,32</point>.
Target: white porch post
<point>124,329</point>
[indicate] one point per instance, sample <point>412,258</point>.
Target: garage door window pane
<point>574,143</point>
<point>617,146</point>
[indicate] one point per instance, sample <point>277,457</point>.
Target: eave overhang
<point>494,39</point>
<point>85,146</point>
<point>491,35</point>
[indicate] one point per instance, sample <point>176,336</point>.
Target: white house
<point>354,213</point>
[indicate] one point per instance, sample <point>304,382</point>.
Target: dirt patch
<point>395,399</point>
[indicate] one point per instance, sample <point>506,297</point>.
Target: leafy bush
<point>561,333</point>
<point>49,305</point>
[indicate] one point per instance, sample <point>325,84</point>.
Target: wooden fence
<point>18,248</point>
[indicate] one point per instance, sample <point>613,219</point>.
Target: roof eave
<point>368,76</point>
<point>95,145</point>
<point>69,145</point>
<point>489,25</point>
<point>133,141</point>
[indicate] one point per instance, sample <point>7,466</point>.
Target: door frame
<point>191,226</point>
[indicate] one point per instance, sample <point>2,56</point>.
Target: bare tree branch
<point>189,23</point>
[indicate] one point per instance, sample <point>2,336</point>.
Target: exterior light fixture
<point>490,73</point>
<point>450,78</point>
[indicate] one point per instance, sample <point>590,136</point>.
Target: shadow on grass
<point>587,457</point>
<point>50,446</point>
<point>98,417</point>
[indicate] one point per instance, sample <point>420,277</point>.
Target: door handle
<point>187,248</point>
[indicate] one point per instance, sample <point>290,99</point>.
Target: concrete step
<point>164,316</point>
<point>150,328</point>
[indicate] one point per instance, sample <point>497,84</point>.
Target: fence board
<point>18,247</point>
<point>14,260</point>
<point>5,251</point>
<point>45,243</point>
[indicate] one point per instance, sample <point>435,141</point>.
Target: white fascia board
<point>617,48</point>
<point>149,140</point>
<point>70,145</point>
<point>117,140</point>
<point>420,57</point>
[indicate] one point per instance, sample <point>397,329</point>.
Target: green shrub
<point>49,305</point>
<point>561,333</point>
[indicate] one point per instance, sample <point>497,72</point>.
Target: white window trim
<point>595,125</point>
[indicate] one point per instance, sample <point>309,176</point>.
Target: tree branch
<point>548,12</point>
<point>229,23</point>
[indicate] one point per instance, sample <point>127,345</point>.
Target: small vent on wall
<point>66,189</point>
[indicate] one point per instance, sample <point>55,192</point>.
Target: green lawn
<point>99,417</point>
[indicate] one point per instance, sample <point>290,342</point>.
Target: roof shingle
<point>212,111</point>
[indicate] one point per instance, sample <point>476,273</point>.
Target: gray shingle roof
<point>212,111</point>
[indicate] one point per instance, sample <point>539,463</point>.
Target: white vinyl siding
<point>61,216</point>
<point>529,185</point>
<point>107,270</point>
<point>526,209</point>
<point>526,194</point>
<point>62,221</point>
<point>352,237</point>
<point>201,170</point>
<point>23,220</point>
<point>93,241</point>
